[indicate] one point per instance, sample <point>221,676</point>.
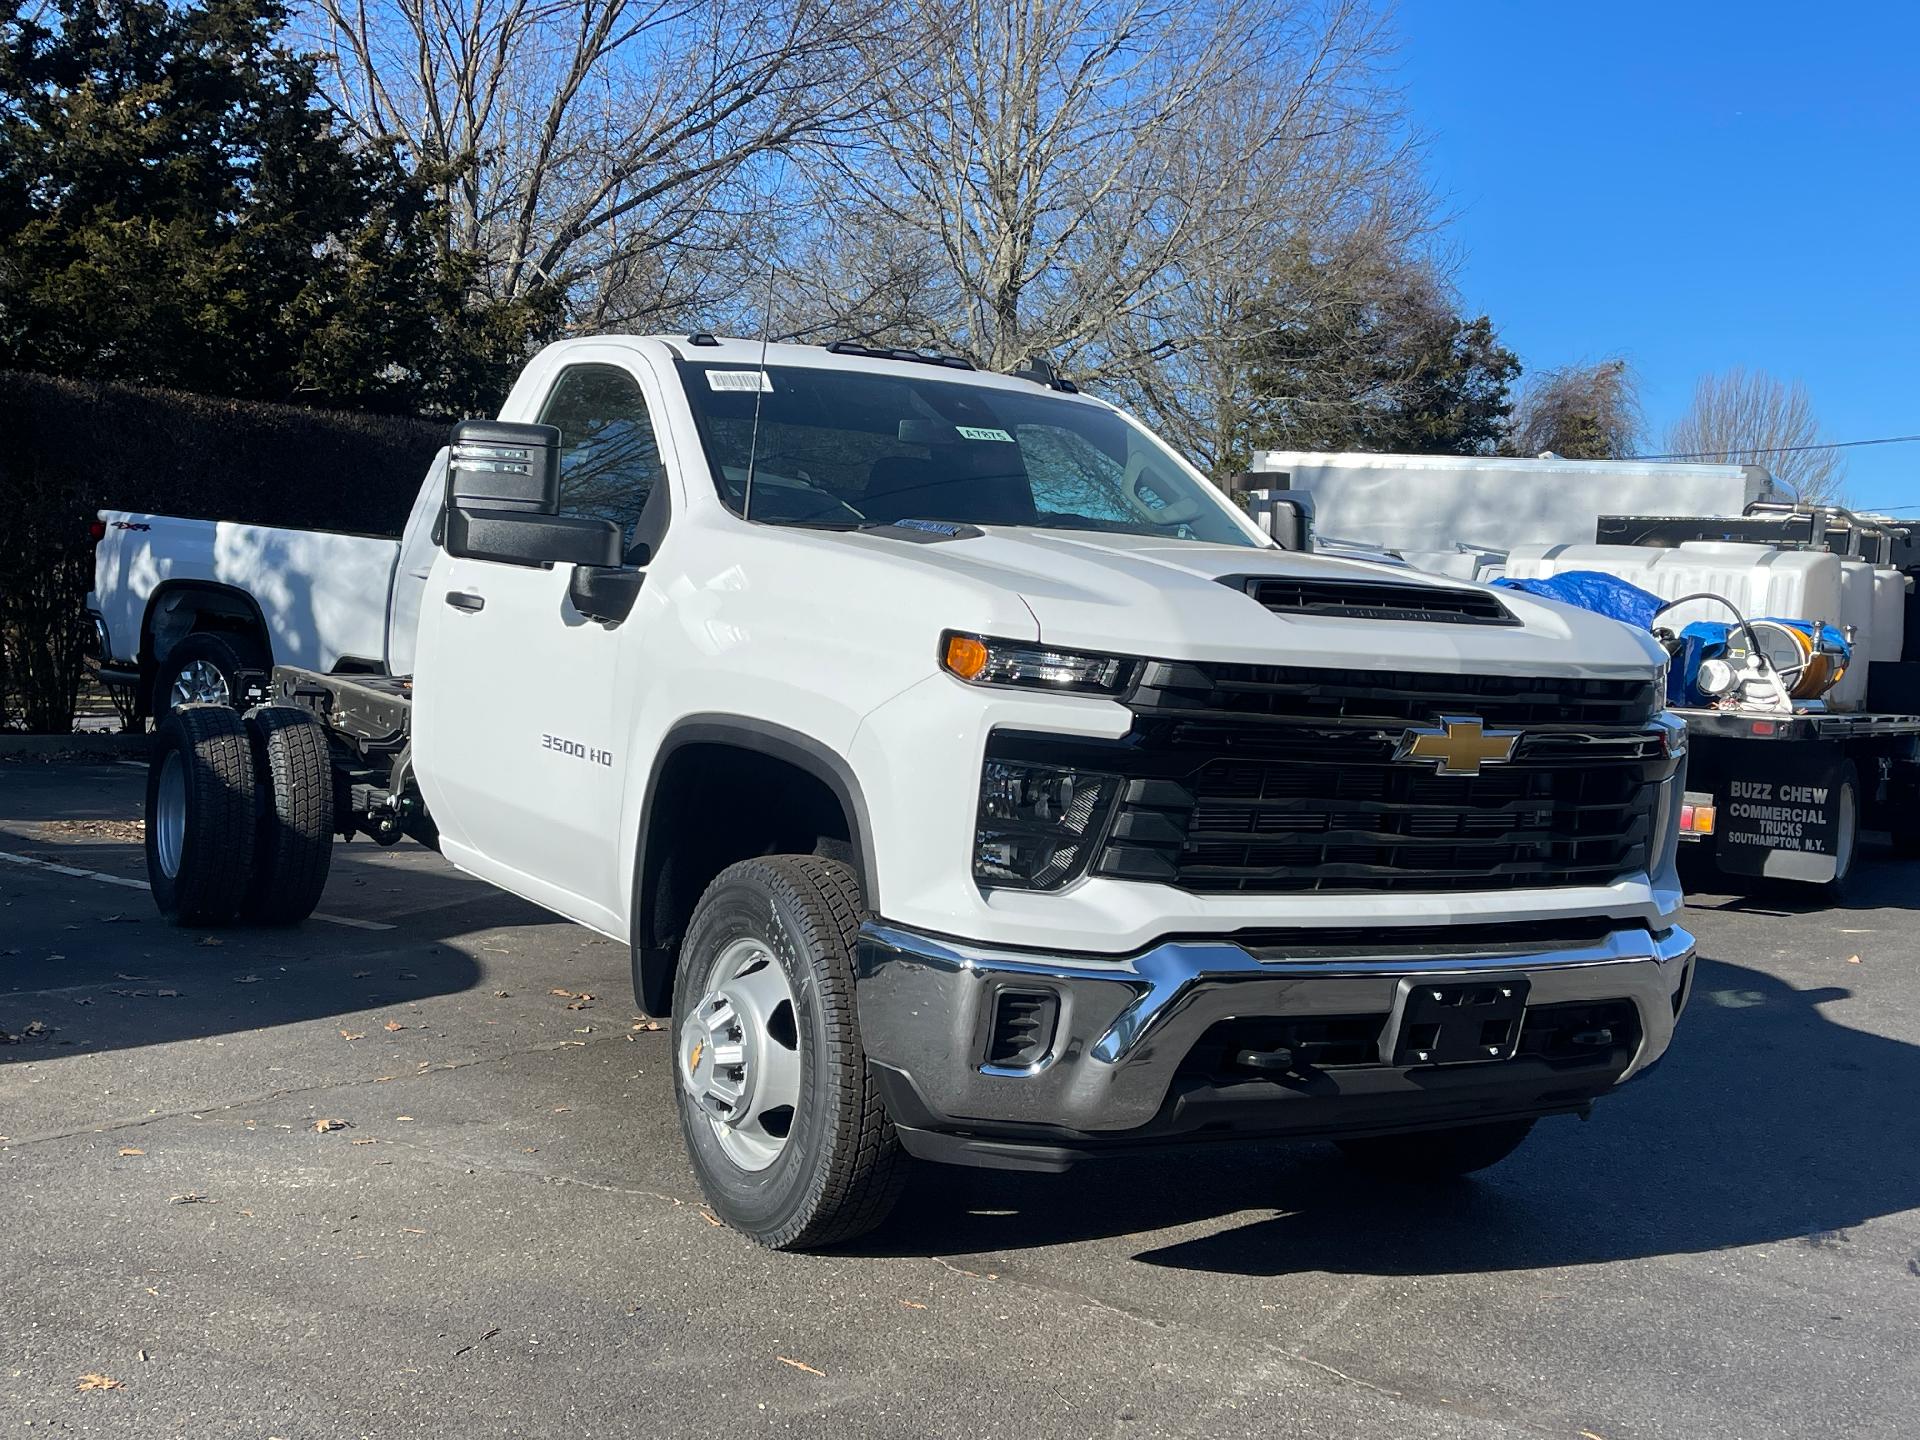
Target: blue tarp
<point>1606,595</point>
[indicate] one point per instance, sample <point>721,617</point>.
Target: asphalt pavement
<point>413,1169</point>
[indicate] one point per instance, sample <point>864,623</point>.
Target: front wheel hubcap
<point>740,1054</point>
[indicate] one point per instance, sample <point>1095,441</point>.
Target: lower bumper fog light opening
<point>1021,1035</point>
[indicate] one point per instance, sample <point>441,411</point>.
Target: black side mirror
<point>492,465</point>
<point>605,592</point>
<point>516,538</point>
<point>503,487</point>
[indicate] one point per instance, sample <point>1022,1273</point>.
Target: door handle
<point>461,600</point>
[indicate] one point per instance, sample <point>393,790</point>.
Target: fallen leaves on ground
<point>488,1336</point>
<point>501,994</point>
<point>31,1031</point>
<point>1853,959</point>
<point>709,1217</point>
<point>191,1197</point>
<point>646,1024</point>
<point>323,1126</point>
<point>93,829</point>
<point>246,979</point>
<point>211,940</point>
<point>801,1365</point>
<point>130,1150</point>
<point>351,1035</point>
<point>96,1382</point>
<point>393,1025</point>
<point>913,1304</point>
<point>567,993</point>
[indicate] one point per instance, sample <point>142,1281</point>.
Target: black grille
<point>1279,780</point>
<point>1292,693</point>
<point>1375,600</point>
<point>1347,942</point>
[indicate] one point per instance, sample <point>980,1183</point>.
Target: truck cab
<point>973,781</point>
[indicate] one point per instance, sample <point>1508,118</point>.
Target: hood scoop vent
<point>1374,600</point>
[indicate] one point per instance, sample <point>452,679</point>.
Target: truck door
<point>517,695</point>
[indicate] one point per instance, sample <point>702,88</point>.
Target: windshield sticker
<point>747,380</point>
<point>975,432</point>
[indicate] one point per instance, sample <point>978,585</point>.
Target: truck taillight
<point>97,531</point>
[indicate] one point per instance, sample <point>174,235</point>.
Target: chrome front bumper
<point>1126,1024</point>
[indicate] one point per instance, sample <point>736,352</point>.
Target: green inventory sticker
<point>975,432</point>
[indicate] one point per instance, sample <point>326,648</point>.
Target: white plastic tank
<point>1856,623</point>
<point>1889,613</point>
<point>1792,584</point>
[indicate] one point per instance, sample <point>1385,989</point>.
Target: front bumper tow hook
<point>1269,1062</point>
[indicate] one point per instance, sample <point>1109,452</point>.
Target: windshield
<point>843,449</point>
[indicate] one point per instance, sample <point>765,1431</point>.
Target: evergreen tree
<point>1380,361</point>
<point>177,208</point>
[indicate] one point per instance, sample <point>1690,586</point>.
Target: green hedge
<point>69,448</point>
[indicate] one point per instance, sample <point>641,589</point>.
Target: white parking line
<point>130,883</point>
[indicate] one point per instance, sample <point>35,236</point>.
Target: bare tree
<point>1748,417</point>
<point>616,149</point>
<point>1103,182</point>
<point>1580,412</point>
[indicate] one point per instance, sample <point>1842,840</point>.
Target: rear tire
<point>204,668</point>
<point>1425,1155</point>
<point>781,1118</point>
<point>293,846</point>
<point>201,819</point>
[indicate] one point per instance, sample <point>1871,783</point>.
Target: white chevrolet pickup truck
<point>970,780</point>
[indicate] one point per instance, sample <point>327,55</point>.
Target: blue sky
<point>1692,186</point>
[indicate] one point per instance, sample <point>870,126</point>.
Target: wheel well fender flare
<point>167,589</point>
<point>653,968</point>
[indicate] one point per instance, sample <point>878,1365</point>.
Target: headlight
<point>980,661</point>
<point>1039,824</point>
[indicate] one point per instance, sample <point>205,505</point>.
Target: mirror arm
<point>605,593</point>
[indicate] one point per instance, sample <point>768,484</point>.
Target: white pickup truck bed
<point>318,599</point>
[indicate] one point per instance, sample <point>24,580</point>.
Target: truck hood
<point>1142,595</point>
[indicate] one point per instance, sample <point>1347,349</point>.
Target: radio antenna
<point>759,392</point>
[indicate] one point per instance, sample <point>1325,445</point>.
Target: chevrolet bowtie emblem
<point>1458,745</point>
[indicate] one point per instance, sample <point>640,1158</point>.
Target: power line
<point>1783,449</point>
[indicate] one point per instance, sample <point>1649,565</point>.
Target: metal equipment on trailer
<point>1783,792</point>
<point>1780,781</point>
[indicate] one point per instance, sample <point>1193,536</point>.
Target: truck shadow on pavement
<point>1880,881</point>
<point>88,968</point>
<point>1767,1122</point>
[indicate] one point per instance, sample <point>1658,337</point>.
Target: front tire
<point>781,1119</point>
<point>1436,1154</point>
<point>200,815</point>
